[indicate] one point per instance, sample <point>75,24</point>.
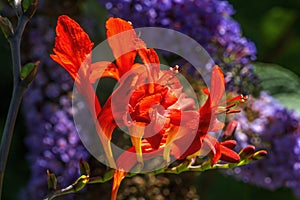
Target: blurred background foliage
<point>273,25</point>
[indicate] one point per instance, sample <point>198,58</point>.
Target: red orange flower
<point>148,101</point>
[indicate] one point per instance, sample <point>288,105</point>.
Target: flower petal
<point>179,148</point>
<point>155,130</point>
<point>72,45</point>
<point>103,69</point>
<point>123,45</point>
<point>150,59</point>
<point>106,119</point>
<point>119,175</point>
<point>128,159</point>
<point>217,86</point>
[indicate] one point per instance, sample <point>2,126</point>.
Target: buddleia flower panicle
<point>209,22</point>
<point>267,124</point>
<point>52,140</point>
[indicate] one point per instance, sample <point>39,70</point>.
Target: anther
<point>176,69</point>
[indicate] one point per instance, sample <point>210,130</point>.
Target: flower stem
<point>17,94</point>
<point>8,130</point>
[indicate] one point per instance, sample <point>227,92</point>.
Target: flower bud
<point>247,152</point>
<point>52,180</point>
<point>6,27</point>
<point>84,168</point>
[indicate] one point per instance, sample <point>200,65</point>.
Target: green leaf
<point>29,7</point>
<point>28,72</point>
<point>281,83</point>
<point>26,69</point>
<point>6,27</point>
<point>26,4</point>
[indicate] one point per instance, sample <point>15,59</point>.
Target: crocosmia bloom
<point>148,102</point>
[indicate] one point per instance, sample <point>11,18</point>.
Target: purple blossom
<point>53,142</point>
<point>267,124</point>
<point>207,21</point>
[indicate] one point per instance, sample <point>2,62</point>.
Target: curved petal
<point>128,159</point>
<point>179,147</point>
<point>217,86</point>
<point>150,59</point>
<point>106,119</point>
<point>119,175</point>
<point>103,69</point>
<point>187,118</point>
<point>72,45</point>
<point>215,148</point>
<point>155,130</point>
<point>105,127</point>
<point>122,40</point>
<point>183,103</point>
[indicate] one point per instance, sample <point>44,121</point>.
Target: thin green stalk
<point>18,91</point>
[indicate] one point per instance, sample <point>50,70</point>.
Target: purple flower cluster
<point>209,22</point>
<point>267,124</point>
<point>53,142</point>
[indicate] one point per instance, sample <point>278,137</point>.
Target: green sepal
<point>6,27</point>
<point>51,180</point>
<point>80,183</point>
<point>84,168</point>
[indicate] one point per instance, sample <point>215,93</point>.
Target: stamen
<point>176,69</point>
<point>241,98</point>
<point>232,111</point>
<point>230,106</point>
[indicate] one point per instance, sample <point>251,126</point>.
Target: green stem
<point>80,183</point>
<point>18,92</point>
<point>185,166</point>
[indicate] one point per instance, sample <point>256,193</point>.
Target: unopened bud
<point>260,154</point>
<point>6,27</point>
<point>52,180</point>
<point>84,168</point>
<point>247,152</point>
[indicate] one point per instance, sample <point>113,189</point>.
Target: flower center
<point>142,103</point>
